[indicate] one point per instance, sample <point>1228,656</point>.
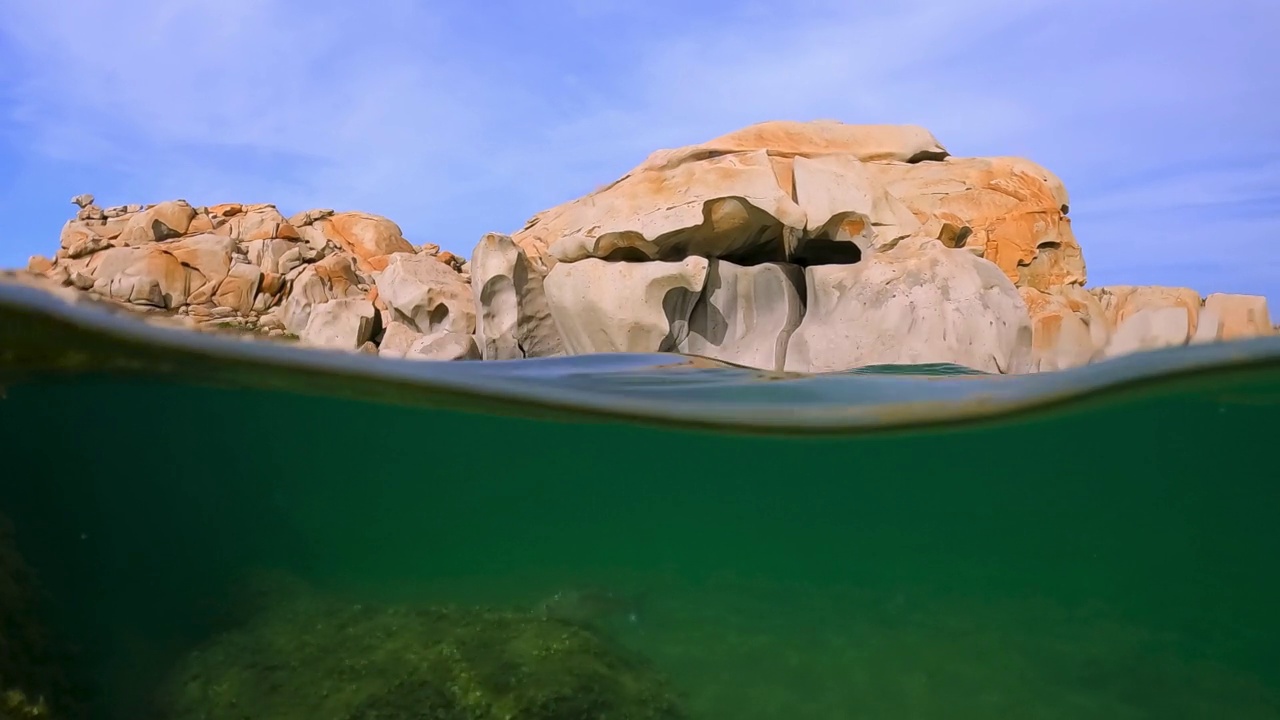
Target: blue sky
<point>456,118</point>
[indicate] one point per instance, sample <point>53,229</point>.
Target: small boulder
<point>428,296</point>
<point>343,324</point>
<point>166,220</point>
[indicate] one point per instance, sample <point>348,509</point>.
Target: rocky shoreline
<point>803,247</point>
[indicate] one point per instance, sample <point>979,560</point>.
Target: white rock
<point>512,316</point>
<point>843,204</point>
<point>343,324</point>
<point>603,306</point>
<point>331,279</point>
<point>429,296</point>
<point>1149,329</point>
<point>746,315</point>
<point>1208,326</point>
<point>397,338</point>
<point>921,303</point>
<point>444,346</point>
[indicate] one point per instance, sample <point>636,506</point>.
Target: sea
<point>223,528</point>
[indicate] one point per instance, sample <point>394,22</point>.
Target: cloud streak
<point>456,119</point>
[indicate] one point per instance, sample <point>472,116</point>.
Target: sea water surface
<point>921,542</point>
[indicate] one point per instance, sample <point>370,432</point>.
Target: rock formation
<point>791,246</point>
<point>331,280</point>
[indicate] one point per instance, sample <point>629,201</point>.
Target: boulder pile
<point>344,280</point>
<point>793,246</point>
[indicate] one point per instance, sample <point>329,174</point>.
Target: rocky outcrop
<point>925,303</point>
<point>793,246</point>
<point>333,280</point>
<point>827,246</point>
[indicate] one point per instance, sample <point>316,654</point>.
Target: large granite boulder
<point>920,303</point>
<point>812,247</point>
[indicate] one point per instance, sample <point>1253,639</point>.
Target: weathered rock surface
<point>342,324</point>
<point>1068,326</point>
<point>1120,302</point>
<point>1016,210</point>
<point>783,245</point>
<point>746,315</point>
<point>429,309</point>
<point>1241,316</point>
<point>1150,328</point>
<point>361,234</point>
<point>444,345</point>
<point>513,319</point>
<point>785,191</point>
<point>603,306</point>
<point>247,267</point>
<point>920,303</point>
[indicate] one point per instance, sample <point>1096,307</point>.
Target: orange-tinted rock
<point>202,223</point>
<point>338,274</point>
<point>272,283</point>
<point>39,264</point>
<point>226,209</point>
<point>788,138</point>
<point>806,193</point>
<point>258,222</point>
<point>238,289</point>
<point>76,232</point>
<point>157,279</point>
<point>378,263</point>
<point>363,235</point>
<point>1015,208</point>
<point>163,221</point>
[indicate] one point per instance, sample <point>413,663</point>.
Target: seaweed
<point>317,658</point>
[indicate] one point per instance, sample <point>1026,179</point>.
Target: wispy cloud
<point>456,118</point>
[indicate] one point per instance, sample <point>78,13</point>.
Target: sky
<point>455,118</point>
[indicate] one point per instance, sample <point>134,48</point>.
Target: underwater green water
<point>1117,560</point>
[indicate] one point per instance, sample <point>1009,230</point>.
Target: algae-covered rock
<point>322,660</point>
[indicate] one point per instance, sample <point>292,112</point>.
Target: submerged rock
<point>590,607</point>
<point>308,660</point>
